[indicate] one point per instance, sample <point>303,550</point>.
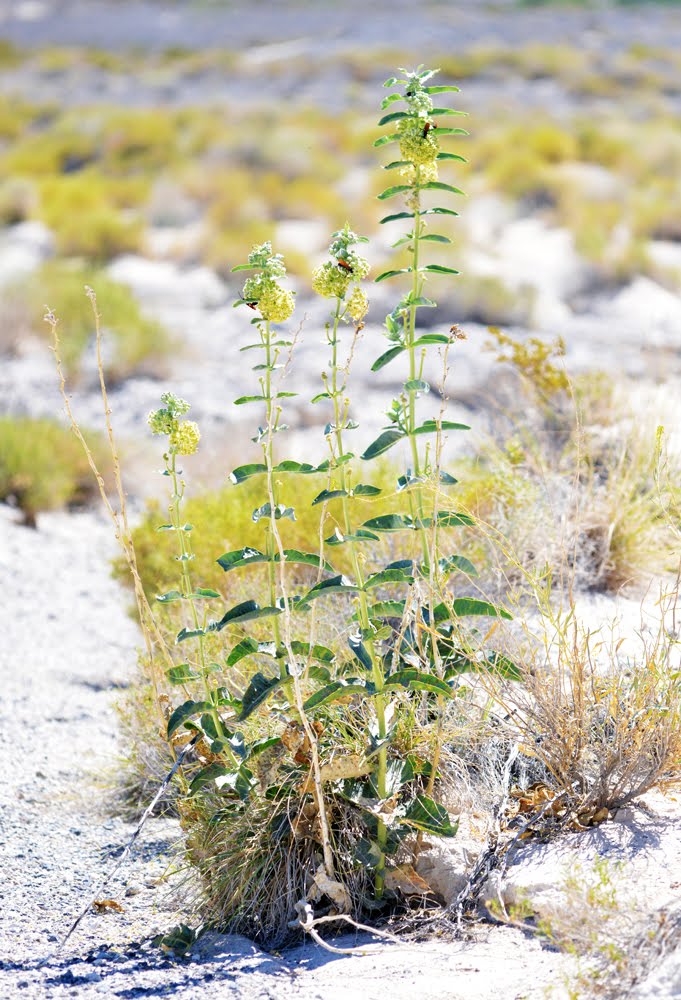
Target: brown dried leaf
<point>107,906</point>
<point>326,886</point>
<point>407,881</point>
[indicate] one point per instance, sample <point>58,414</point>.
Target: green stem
<point>417,287</point>
<point>378,679</point>
<point>270,360</point>
<point>187,589</point>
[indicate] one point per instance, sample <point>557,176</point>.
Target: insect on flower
<point>252,305</point>
<point>426,128</point>
<point>344,265</point>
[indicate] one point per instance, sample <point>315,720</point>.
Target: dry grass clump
<point>602,715</point>
<point>568,484</point>
<point>43,467</point>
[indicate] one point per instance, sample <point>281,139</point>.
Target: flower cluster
<point>419,145</point>
<point>346,267</point>
<point>263,290</point>
<point>183,435</point>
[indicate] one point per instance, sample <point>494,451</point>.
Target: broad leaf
<point>389,522</point>
<point>462,607</point>
<point>334,585</point>
<point>387,357</point>
<point>334,691</point>
<point>181,674</point>
<point>417,680</point>
<point>365,490</point>
<point>187,710</point>
<point>171,595</point>
<point>244,472</point>
<point>393,274</point>
<point>258,691</point>
<point>245,612</point>
<point>241,557</point>
<point>329,495</point>
<point>426,815</point>
<point>396,216</point>
<point>448,564</point>
<point>395,116</point>
<point>439,269</point>
<point>338,538</point>
<point>385,576</point>
<point>431,426</point>
<point>417,385</point>
<point>360,651</point>
<point>382,443</point>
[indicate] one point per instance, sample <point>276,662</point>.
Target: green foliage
<point>139,343</point>
<point>42,465</point>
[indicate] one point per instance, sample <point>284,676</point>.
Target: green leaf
<point>426,815</point>
<point>244,267</point>
<point>387,357</point>
<point>365,490</point>
<point>446,479</point>
<point>358,536</point>
<point>385,139</point>
<point>247,647</point>
<point>389,522</point>
<point>395,164</point>
<point>172,595</point>
<point>387,101</point>
<point>441,186</point>
<point>300,468</point>
<point>382,443</point>
<point>439,269</point>
<point>395,575</point>
<point>447,88</point>
<point>395,116</point>
<point>392,274</point>
<point>465,606</point>
<point>435,238</point>
<point>360,651</point>
<point>249,399</point>
<point>439,112</point>
<point>387,609</point>
<point>245,612</point>
<point>451,519</point>
<point>207,775</point>
<point>303,559</point>
<point>190,633</point>
<point>279,511</point>
<point>321,653</point>
<point>320,396</point>
<point>392,191</point>
<point>451,156</point>
<point>416,680</point>
<point>438,211</point>
<point>329,495</point>
<point>397,216</point>
<point>334,585</point>
<point>187,710</point>
<point>333,691</point>
<point>241,557</point>
<point>448,564</point>
<point>417,385</point>
<point>438,130</point>
<point>431,426</point>
<point>258,691</point>
<point>181,674</point>
<point>244,472</point>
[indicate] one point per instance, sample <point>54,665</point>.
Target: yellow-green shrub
<point>138,341</point>
<point>43,466</point>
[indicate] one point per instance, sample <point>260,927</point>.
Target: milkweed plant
<point>319,761</point>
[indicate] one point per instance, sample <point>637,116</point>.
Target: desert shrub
<point>42,465</point>
<point>138,343</point>
<point>86,215</point>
